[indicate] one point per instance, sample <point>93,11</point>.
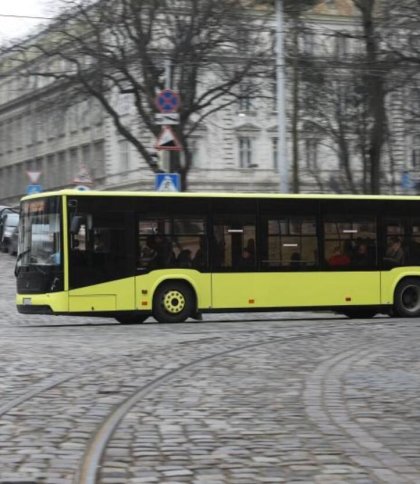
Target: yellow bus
<point>131,255</point>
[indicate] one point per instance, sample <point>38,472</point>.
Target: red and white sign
<point>167,140</point>
<point>34,176</point>
<point>167,101</point>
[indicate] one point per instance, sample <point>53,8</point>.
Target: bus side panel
<point>146,285</point>
<point>293,289</point>
<point>109,296</point>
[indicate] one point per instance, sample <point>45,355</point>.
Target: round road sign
<point>167,101</point>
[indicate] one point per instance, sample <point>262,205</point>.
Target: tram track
<point>53,381</point>
<point>96,447</point>
<point>94,452</point>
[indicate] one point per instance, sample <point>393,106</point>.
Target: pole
<point>170,159</point>
<point>282,161</point>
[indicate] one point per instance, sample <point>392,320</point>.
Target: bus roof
<point>316,196</point>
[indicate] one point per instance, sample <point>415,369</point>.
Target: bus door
<point>233,253</point>
<point>100,265</point>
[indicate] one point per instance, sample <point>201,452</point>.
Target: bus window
<point>350,242</point>
<point>166,242</point>
<point>233,244</point>
<point>412,243</point>
<point>291,242</point>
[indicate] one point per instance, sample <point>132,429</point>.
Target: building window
<point>415,152</point>
<point>245,100</point>
<point>245,152</point>
<point>311,153</point>
<point>62,178</point>
<point>194,152</point>
<point>274,145</point>
<point>124,147</point>
<point>340,46</point>
<point>73,115</point>
<point>98,160</point>
<point>414,101</point>
<point>73,164</point>
<point>308,43</point>
<point>50,173</point>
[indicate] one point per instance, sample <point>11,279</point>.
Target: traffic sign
<point>33,188</point>
<point>167,118</point>
<point>83,177</point>
<point>167,182</point>
<point>33,176</point>
<point>167,101</point>
<point>167,140</point>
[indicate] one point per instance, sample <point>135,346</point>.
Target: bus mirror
<point>76,222</point>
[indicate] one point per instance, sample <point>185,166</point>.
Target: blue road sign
<point>167,101</point>
<point>30,189</point>
<point>167,182</point>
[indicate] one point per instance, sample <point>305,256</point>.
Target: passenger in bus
<point>395,253</point>
<point>200,256</point>
<point>165,256</point>
<point>250,246</point>
<point>361,255</point>
<point>98,244</point>
<point>295,260</point>
<point>247,259</point>
<point>184,258</point>
<point>338,259</point>
<point>148,252</point>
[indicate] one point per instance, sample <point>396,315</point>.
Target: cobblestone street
<point>237,399</point>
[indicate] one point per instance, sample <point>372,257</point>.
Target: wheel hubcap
<point>174,302</point>
<point>411,299</point>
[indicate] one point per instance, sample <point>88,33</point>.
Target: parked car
<point>9,221</point>
<point>13,246</point>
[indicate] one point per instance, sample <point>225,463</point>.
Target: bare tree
<point>345,96</point>
<point>107,48</point>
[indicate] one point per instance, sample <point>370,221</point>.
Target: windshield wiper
<point>22,254</point>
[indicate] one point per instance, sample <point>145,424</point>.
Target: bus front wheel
<point>173,302</point>
<point>407,298</point>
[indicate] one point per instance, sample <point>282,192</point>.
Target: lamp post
<point>282,160</point>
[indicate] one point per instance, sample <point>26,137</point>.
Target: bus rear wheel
<point>173,302</point>
<point>132,319</point>
<point>407,298</point>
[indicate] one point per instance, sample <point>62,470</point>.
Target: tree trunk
<point>376,96</point>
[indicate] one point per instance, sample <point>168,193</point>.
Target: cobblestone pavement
<point>240,399</point>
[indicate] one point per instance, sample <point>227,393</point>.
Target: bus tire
<point>407,298</point>
<point>173,302</point>
<point>132,319</point>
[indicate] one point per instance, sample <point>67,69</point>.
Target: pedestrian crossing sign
<point>167,182</point>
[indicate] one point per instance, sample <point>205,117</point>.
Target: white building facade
<point>235,150</point>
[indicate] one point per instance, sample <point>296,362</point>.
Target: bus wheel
<point>407,298</point>
<point>173,302</point>
<point>132,319</point>
<point>359,313</point>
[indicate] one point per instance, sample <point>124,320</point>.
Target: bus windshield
<point>39,233</point>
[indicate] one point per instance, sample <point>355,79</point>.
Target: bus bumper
<point>42,303</point>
